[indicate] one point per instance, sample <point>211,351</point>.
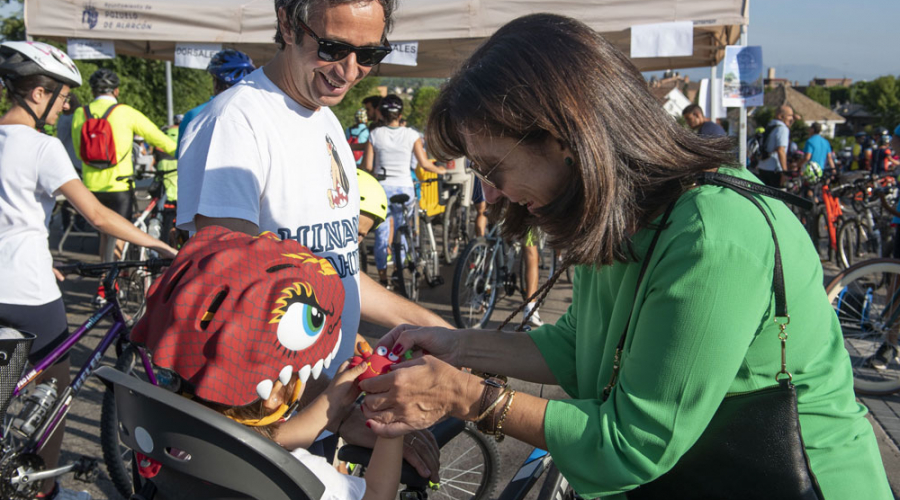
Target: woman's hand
<point>441,343</point>
<point>415,395</point>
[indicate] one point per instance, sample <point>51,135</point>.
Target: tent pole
<point>170,114</point>
<point>742,128</point>
<point>713,96</point>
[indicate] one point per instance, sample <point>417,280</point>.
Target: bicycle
<point>868,234</point>
<point>457,198</point>
<point>35,415</point>
<point>421,255</point>
<point>486,266</point>
<point>133,287</point>
<point>866,298</point>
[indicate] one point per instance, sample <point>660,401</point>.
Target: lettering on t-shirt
<point>332,237</point>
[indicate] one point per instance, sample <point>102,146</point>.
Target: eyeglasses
<point>333,50</point>
<point>66,97</point>
<point>484,178</point>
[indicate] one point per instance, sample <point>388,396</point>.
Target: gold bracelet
<point>493,405</point>
<point>498,432</point>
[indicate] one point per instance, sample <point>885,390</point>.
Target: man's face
<point>787,117</point>
<point>318,83</point>
<point>694,119</point>
<point>370,111</point>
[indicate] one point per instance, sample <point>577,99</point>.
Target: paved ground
<point>82,431</point>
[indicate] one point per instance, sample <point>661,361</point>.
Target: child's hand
<point>343,390</point>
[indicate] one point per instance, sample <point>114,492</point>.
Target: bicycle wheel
<point>133,285</point>
<point>866,301</point>
<point>117,456</point>
<point>432,265</point>
<point>820,235</point>
<point>857,243</point>
<point>470,467</point>
<point>454,237</point>
<point>475,285</point>
<point>406,276</point>
<point>556,487</point>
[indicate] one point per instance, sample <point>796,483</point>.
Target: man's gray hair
<point>299,10</point>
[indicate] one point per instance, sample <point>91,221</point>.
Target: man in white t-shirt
<point>269,155</point>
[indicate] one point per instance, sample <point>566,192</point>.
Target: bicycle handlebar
<point>146,175</point>
<point>92,270</point>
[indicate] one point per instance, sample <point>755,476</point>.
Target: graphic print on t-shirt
<point>340,184</point>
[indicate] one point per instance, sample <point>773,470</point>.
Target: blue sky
<point>807,38</point>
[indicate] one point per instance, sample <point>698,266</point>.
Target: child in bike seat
<point>247,323</point>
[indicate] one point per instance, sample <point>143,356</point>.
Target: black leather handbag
<point>752,448</point>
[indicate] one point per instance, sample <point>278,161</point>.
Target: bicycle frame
<point>528,474</point>
<point>36,441</point>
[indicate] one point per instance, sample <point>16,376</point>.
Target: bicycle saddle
<point>400,198</point>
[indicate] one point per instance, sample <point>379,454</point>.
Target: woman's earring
<point>570,162</point>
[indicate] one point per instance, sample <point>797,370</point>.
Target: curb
<point>890,454</point>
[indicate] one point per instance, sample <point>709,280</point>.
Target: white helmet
<point>18,59</point>
<point>812,172</point>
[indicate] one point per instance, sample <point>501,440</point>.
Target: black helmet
<point>391,102</point>
<point>104,81</point>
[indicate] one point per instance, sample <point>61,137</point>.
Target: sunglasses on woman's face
<point>333,50</point>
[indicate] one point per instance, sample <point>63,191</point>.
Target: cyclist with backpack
<point>34,168</point>
<point>102,133</point>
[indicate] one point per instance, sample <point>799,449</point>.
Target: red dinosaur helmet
<point>235,313</point>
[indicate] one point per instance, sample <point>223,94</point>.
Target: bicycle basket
<point>14,349</point>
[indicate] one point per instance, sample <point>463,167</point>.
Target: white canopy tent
<point>447,30</point>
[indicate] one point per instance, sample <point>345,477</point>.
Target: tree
<point>422,101</point>
<point>799,131</point>
<point>882,98</point>
<point>839,94</point>
<point>352,101</point>
<point>763,116</point>
<point>819,94</point>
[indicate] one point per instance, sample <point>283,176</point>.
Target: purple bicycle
<point>36,412</point>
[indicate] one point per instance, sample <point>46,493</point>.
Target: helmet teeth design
<point>234,314</point>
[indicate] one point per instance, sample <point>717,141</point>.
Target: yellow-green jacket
<point>126,122</point>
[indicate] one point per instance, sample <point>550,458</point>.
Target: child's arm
<point>383,473</point>
<point>303,429</point>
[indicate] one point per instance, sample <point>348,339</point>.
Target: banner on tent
<point>83,48</point>
<point>404,54</point>
<point>743,81</point>
<point>662,39</point>
<point>195,55</point>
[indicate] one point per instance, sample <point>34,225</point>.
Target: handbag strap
<point>745,186</point>
<point>747,190</point>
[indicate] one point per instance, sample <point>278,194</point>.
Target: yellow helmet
<point>372,200</point>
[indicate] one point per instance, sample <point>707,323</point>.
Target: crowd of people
<point>674,306</point>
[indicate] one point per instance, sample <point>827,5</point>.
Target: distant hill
<point>802,73</point>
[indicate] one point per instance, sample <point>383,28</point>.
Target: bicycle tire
<point>820,235</point>
<point>432,267</point>
<point>116,456</point>
<point>856,243</point>
<point>453,238</point>
<point>133,285</point>
<point>474,293</point>
<point>461,469</point>
<point>405,274</point>
<point>859,296</point>
<point>556,487</point>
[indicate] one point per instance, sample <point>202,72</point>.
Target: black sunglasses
<point>333,50</point>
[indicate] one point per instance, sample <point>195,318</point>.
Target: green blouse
<point>702,327</point>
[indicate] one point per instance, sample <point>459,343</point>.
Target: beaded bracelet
<point>498,432</point>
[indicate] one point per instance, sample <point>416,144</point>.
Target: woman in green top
<point>566,136</point>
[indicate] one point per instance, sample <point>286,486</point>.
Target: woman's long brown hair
<point>544,77</point>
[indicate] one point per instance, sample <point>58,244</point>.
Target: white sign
<point>743,77</point>
<point>704,98</point>
<point>404,54</point>
<point>82,48</point>
<point>662,40</point>
<point>195,55</point>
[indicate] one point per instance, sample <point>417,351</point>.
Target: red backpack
<point>354,139</point>
<point>98,149</point>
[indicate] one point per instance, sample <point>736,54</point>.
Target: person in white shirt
<point>388,159</point>
<point>269,155</point>
<point>34,168</point>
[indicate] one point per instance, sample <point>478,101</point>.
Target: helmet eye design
<point>303,319</point>
<point>381,351</point>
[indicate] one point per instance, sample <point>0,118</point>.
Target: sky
<point>803,39</point>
